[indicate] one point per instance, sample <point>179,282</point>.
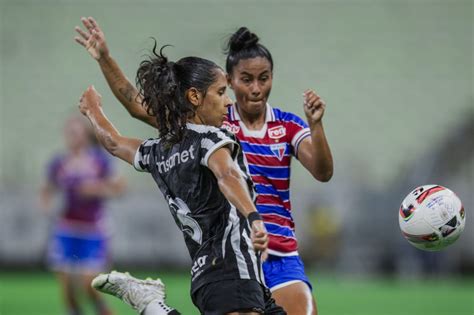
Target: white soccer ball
<point>431,217</point>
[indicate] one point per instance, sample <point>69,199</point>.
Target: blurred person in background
<point>269,137</point>
<point>78,245</point>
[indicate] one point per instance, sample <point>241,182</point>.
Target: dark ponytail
<point>243,44</point>
<point>163,85</point>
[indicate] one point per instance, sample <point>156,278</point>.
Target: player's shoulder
<point>201,129</point>
<point>57,159</point>
<point>206,131</point>
<point>285,117</point>
<point>151,142</point>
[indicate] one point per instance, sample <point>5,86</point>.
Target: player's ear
<point>229,80</point>
<point>194,96</point>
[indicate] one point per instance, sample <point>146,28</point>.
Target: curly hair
<point>163,85</point>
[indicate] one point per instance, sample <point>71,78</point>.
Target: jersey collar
<point>233,114</point>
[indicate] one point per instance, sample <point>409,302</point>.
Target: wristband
<point>253,216</point>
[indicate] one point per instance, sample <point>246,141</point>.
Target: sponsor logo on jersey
<point>277,132</point>
<point>198,265</point>
<point>175,160</point>
<point>231,128</point>
<point>279,150</point>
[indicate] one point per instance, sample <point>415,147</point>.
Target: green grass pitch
<point>36,293</point>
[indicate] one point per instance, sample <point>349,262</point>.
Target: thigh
<point>283,271</point>
<point>230,296</point>
<point>291,289</point>
<point>73,253</point>
<point>93,255</point>
<point>61,254</point>
<point>296,299</point>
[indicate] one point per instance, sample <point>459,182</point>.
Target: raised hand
<point>90,100</point>
<point>314,106</point>
<point>92,39</point>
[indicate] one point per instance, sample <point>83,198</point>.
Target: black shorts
<point>226,296</point>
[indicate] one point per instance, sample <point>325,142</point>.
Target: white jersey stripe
<point>226,235</point>
<point>298,135</point>
<point>252,254</point>
<point>214,148</point>
<point>235,241</point>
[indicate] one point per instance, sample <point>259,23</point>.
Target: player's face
<point>76,134</point>
<point>251,80</point>
<point>213,109</point>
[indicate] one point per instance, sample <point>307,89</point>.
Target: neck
<point>76,151</point>
<point>195,120</point>
<point>252,121</point>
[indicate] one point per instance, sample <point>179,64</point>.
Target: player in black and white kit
<point>217,235</point>
<point>201,172</point>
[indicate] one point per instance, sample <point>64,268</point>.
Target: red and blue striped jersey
<point>268,153</point>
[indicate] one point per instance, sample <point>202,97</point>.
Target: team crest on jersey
<point>231,128</point>
<point>279,150</point>
<point>277,132</point>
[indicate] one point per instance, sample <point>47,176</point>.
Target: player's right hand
<point>260,238</point>
<point>90,100</point>
<point>93,39</point>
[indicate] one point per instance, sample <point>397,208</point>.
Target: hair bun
<point>242,39</point>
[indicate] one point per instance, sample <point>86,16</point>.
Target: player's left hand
<point>90,100</point>
<point>260,238</point>
<point>314,107</point>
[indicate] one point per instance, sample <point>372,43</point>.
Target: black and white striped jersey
<point>216,234</point>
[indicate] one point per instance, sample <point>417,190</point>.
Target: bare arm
<point>105,188</point>
<point>314,152</point>
<point>124,91</point>
<point>119,146</point>
<point>46,194</point>
<point>234,188</point>
<point>94,42</point>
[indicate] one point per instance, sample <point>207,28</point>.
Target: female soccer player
<point>78,247</point>
<point>270,137</point>
<point>213,206</point>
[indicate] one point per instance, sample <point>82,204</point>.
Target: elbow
<point>227,175</point>
<point>323,176</point>
<point>226,178</point>
<point>110,144</point>
<point>133,113</point>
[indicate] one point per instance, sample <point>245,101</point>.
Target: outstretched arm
<point>119,146</point>
<point>234,188</point>
<point>45,197</point>
<point>93,39</point>
<point>314,152</point>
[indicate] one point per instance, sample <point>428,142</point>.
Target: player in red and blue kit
<point>269,139</point>
<point>268,153</point>
<point>78,248</point>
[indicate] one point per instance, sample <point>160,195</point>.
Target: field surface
<point>36,293</point>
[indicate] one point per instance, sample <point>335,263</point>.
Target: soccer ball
<point>431,217</point>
